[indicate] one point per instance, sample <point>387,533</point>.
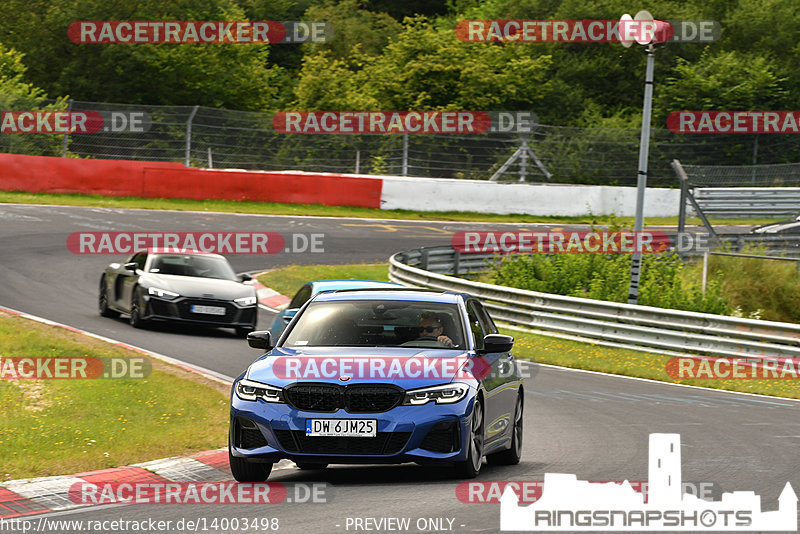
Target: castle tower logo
<point>578,505</point>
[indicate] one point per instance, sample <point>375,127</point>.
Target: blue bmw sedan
<point>379,376</point>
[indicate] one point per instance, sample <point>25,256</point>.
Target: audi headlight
<point>162,293</point>
<point>245,301</point>
<point>446,394</point>
<point>250,391</point>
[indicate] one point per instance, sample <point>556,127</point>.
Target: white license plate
<point>208,310</point>
<point>346,428</point>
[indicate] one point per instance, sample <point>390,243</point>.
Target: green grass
<point>587,356</point>
<point>51,427</point>
<point>544,349</point>
<point>287,280</point>
<point>230,206</point>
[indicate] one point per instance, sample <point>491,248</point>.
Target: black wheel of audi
<point>136,319</point>
<point>102,301</point>
<point>244,471</point>
<point>472,465</point>
<point>513,455</point>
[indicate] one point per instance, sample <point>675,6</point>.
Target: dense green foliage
<point>602,277</point>
<point>402,55</point>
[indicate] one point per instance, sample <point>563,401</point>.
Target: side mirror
<point>132,266</point>
<point>496,343</point>
<point>245,277</point>
<point>261,339</point>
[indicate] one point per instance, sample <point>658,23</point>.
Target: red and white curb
<point>269,297</point>
<point>51,494</point>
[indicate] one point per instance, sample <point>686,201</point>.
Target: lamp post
<point>647,38</point>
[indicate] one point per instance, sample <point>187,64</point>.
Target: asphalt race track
<point>592,425</point>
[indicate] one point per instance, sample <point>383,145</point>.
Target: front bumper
<point>179,310</point>
<point>268,432</point>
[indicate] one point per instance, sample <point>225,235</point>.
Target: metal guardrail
<point>748,201</point>
<point>633,325</point>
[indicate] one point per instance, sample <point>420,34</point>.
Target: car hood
<point>412,367</point>
<point>191,286</point>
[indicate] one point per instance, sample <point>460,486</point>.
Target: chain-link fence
<point>221,138</point>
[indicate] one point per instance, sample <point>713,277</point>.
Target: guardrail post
<point>66,134</point>
<point>405,155</point>
<point>189,134</point>
<point>456,262</point>
<point>423,259</point>
<point>676,164</point>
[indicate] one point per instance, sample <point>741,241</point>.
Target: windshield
<point>378,323</point>
<point>192,265</point>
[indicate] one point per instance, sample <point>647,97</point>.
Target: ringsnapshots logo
<point>569,504</point>
<point>74,122</point>
<point>74,368</point>
<point>404,122</point>
<point>199,32</point>
<point>203,242</point>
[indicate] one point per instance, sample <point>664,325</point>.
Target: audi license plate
<point>343,428</point>
<point>208,310</point>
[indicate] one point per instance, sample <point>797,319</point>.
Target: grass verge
<point>544,349</point>
<point>268,208</point>
<point>52,427</point>
<point>287,280</point>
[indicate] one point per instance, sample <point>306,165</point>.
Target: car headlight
<point>162,293</point>
<point>446,394</point>
<point>250,391</point>
<point>245,301</point>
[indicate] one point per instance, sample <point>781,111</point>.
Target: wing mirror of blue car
<point>132,266</point>
<point>496,343</point>
<point>261,339</point>
<point>245,277</point>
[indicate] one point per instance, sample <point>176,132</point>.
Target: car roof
<point>347,283</point>
<point>405,294</point>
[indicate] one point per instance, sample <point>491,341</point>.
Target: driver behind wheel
<point>431,328</point>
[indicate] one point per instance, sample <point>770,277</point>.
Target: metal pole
<point>189,134</point>
<point>405,155</point>
<point>210,161</point>
<point>755,157</point>
<point>66,134</point>
<point>641,180</point>
<point>358,161</point>
<point>705,271</point>
<point>523,161</point>
<point>676,165</point>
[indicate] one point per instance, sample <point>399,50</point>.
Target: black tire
<point>242,331</point>
<point>102,301</point>
<point>512,455</point>
<point>244,471</point>
<point>136,319</point>
<point>472,465</point>
<point>310,465</point>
